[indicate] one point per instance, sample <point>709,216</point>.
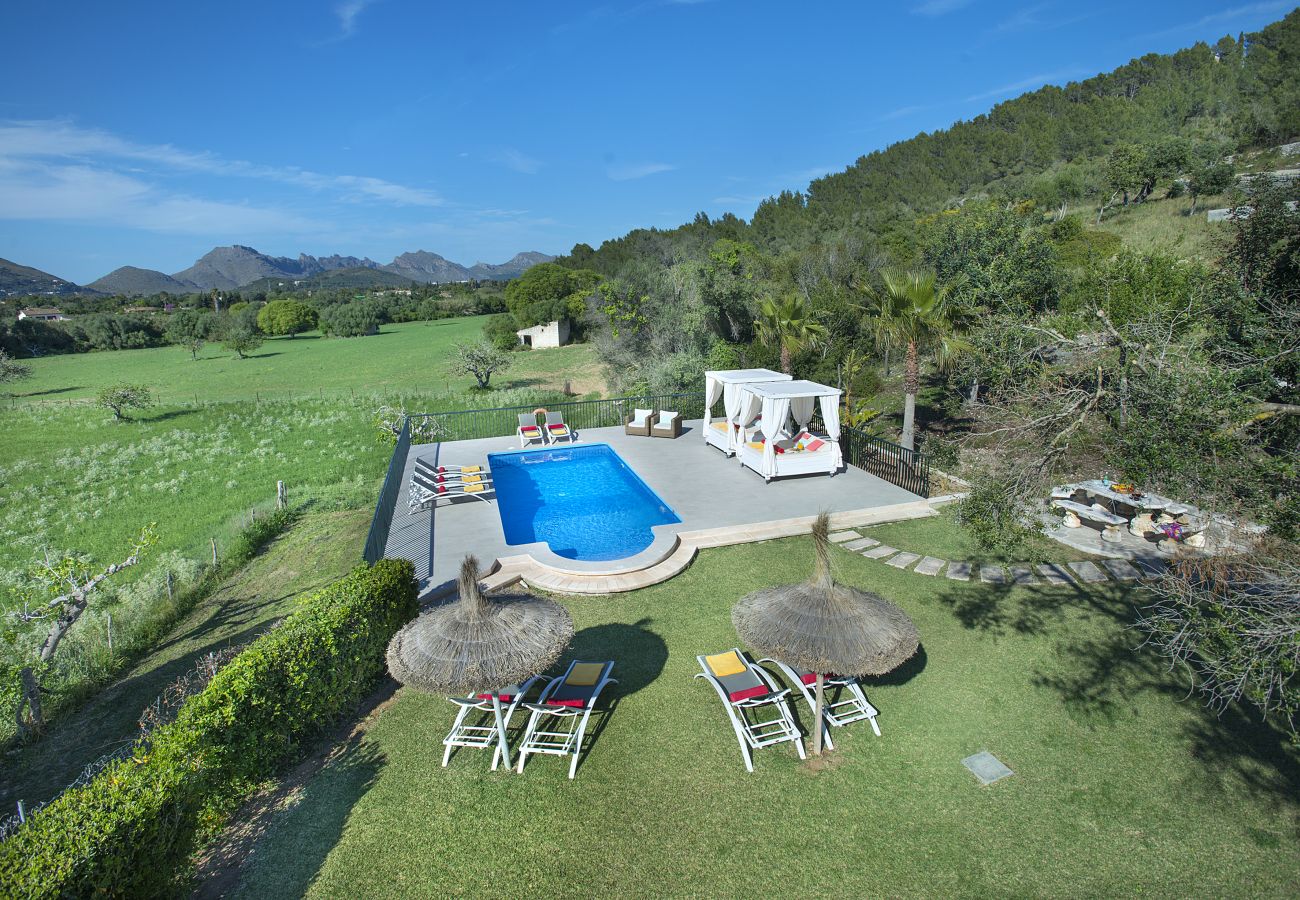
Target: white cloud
<point>1229,15</point>
<point>935,8</point>
<point>901,113</point>
<point>1033,81</point>
<point>519,162</point>
<point>347,14</point>
<point>60,139</point>
<point>633,171</point>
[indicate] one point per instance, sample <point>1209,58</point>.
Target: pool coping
<point>646,569</point>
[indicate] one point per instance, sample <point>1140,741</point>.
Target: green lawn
<point>409,358</point>
<point>942,537</point>
<point>316,550</point>
<point>1122,785</point>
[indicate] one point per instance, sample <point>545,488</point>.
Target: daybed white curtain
<point>731,395</point>
<point>801,409</point>
<point>751,405</point>
<point>775,412</point>
<point>831,419</point>
<point>712,391</point>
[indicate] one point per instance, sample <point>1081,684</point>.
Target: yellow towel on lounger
<point>724,664</point>
<point>584,674</point>
<point>473,489</point>
<point>757,445</point>
<point>467,469</point>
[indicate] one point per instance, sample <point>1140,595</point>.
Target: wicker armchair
<point>670,429</point>
<point>639,422</point>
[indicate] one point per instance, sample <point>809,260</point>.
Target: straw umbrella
<point>826,627</point>
<point>479,644</point>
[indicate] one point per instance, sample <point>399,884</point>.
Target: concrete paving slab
<point>1023,575</point>
<point>1151,566</point>
<point>993,575</point>
<point>1054,574</point>
<point>1087,571</point>
<point>959,571</point>
<point>931,565</point>
<point>880,552</point>
<point>903,560</point>
<point>840,537</point>
<point>1121,569</point>
<point>986,767</point>
<point>860,544</point>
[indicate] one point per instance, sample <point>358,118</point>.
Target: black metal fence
<point>377,539</point>
<point>469,424</point>
<point>909,469</point>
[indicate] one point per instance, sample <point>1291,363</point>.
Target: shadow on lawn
<point>1100,673</point>
<point>639,654</point>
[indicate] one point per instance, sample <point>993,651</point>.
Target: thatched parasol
<point>826,627</point>
<point>480,644</point>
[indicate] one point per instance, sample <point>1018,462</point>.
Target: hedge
<point>134,828</point>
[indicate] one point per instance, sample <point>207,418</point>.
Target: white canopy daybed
<point>727,384</point>
<point>784,446</point>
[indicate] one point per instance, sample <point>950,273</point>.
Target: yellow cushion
<point>724,664</point>
<point>471,479</point>
<point>473,488</point>
<point>584,674</point>
<point>471,468</point>
<point>757,445</point>
<point>721,426</point>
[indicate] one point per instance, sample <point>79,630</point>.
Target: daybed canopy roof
<point>789,390</point>
<point>746,376</point>
<point>727,384</point>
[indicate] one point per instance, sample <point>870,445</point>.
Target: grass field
<point>317,549</point>
<point>1167,226</point>
<point>1122,785</point>
<point>410,358</point>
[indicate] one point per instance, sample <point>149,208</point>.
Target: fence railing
<point>377,539</point>
<point>469,424</point>
<point>909,469</point>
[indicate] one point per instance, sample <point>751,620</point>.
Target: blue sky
<point>146,133</point>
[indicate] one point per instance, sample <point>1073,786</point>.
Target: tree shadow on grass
<point>48,391</point>
<point>165,416</point>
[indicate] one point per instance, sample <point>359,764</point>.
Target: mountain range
<point>230,268</point>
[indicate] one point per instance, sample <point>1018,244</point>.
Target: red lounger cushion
<point>558,427</point>
<point>530,429</point>
<point>814,445</point>
<point>576,703</point>
<point>811,677</point>
<point>756,691</point>
<point>504,698</point>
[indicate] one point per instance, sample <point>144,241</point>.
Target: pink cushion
<point>576,704</point>
<point>504,698</point>
<point>756,691</point>
<point>529,429</point>
<point>815,445</point>
<point>558,427</point>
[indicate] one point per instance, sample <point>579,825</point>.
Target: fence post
<point>281,497</point>
<point>170,593</point>
<point>110,632</point>
<point>214,551</point>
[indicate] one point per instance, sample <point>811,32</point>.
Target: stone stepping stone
<point>880,552</point>
<point>860,544</point>
<point>993,575</point>
<point>840,537</point>
<point>931,565</point>
<point>1054,574</point>
<point>1121,569</point>
<point>1086,571</point>
<point>959,571</point>
<point>1023,575</point>
<point>903,560</point>
<point>1151,566</point>
<point>986,767</point>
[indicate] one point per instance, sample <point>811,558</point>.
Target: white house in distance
<point>552,334</point>
<point>42,314</point>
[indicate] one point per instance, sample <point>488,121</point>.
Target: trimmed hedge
<point>133,829</point>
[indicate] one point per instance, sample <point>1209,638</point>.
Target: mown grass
<point>941,536</point>
<point>404,358</point>
<point>1121,787</point>
<point>320,547</point>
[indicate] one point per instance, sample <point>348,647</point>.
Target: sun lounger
<point>844,701</point>
<point>745,689</point>
<point>556,430</point>
<point>667,425</point>
<point>639,422</point>
<point>529,431</point>
<point>428,489</point>
<point>569,701</point>
<point>480,732</point>
<point>429,468</point>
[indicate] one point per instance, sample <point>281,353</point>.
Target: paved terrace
<point>718,500</point>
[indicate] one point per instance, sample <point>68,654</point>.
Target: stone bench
<point>1075,511</point>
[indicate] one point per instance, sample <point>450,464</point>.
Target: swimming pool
<point>583,501</point>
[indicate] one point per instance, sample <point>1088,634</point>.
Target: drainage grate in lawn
<point>986,767</point>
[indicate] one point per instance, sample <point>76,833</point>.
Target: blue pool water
<point>584,501</point>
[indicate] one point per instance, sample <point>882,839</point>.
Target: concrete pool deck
<point>719,502</point>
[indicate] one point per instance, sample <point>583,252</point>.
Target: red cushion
<point>504,698</point>
<point>576,703</point>
<point>808,678</point>
<point>779,449</point>
<point>557,427</point>
<point>529,429</point>
<point>814,445</point>
<point>757,691</point>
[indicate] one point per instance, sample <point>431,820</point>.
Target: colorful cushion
<point>474,488</point>
<point>747,693</point>
<point>721,425</point>
<point>814,445</point>
<point>504,698</point>
<point>757,445</point>
<point>724,664</point>
<point>584,674</point>
<point>779,449</point>
<point>530,429</point>
<point>575,702</point>
<point>559,427</point>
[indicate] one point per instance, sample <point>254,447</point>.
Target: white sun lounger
<point>744,689</point>
<point>556,430</point>
<point>844,701</point>
<point>569,700</point>
<point>484,733</point>
<point>427,490</point>
<point>529,431</point>
<point>428,468</point>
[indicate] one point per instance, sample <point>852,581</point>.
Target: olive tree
<point>481,360</point>
<point>121,397</point>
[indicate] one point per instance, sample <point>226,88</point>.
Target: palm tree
<point>788,323</point>
<point>914,314</point>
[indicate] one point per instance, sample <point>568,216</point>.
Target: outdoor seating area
<point>727,385</point>
<point>654,423</point>
<point>1124,515</point>
<point>550,428</point>
<point>775,418</point>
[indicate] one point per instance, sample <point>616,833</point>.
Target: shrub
<point>134,827</point>
<point>349,320</point>
<point>121,397</point>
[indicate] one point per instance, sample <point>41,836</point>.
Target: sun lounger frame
<point>758,733</point>
<point>837,713</point>
<point>479,734</point>
<point>562,742</point>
